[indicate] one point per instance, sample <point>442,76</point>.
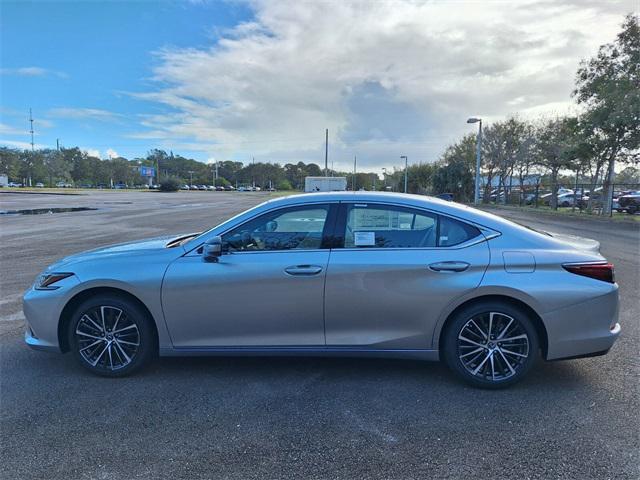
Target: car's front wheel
<point>490,344</point>
<point>111,336</point>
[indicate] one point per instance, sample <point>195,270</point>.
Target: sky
<point>235,80</point>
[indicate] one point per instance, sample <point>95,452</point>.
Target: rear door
<point>398,269</point>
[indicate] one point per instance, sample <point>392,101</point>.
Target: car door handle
<point>449,266</point>
<point>303,269</point>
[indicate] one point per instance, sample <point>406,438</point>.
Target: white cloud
<point>387,78</point>
<point>111,153</point>
<point>92,152</point>
<point>9,130</point>
<point>21,145</point>
<point>84,114</point>
<point>31,72</point>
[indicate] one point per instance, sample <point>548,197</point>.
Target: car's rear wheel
<point>490,344</point>
<point>111,336</point>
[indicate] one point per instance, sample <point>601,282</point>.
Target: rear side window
<point>388,226</point>
<point>454,232</point>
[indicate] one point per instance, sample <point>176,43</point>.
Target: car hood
<point>580,243</point>
<point>129,248</point>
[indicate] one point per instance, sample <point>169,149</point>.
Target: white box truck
<point>325,184</point>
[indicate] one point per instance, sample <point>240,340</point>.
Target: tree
<point>555,149</point>
<point>608,86</point>
<point>10,162</point>
<point>455,169</point>
<point>630,175</point>
<point>56,166</point>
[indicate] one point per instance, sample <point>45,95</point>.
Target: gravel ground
<point>282,417</point>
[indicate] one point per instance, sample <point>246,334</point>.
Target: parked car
<point>630,202</point>
<point>185,187</point>
<point>344,273</point>
<point>446,196</point>
<point>568,199</point>
<point>211,188</point>
<point>219,188</point>
<point>229,188</point>
<point>39,185</point>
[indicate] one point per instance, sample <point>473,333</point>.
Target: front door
<point>266,291</point>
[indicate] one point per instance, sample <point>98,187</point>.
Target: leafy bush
<point>169,185</point>
<point>284,185</point>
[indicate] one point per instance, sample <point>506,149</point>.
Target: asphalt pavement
<point>270,418</point>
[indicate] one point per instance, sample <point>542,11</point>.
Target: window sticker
<point>364,239</point>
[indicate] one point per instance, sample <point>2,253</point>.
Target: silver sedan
<point>343,274</point>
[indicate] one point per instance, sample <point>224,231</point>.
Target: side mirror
<point>212,249</point>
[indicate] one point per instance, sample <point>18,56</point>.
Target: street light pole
<point>476,194</point>
<point>406,171</point>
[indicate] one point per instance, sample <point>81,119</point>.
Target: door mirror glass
<point>212,249</point>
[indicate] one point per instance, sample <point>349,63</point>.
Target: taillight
<point>598,271</point>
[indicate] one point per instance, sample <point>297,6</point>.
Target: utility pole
<point>57,144</point>
<point>31,121</point>
<point>191,178</point>
<point>406,171</point>
<point>326,153</point>
<point>355,160</point>
<point>253,173</point>
<point>476,195</point>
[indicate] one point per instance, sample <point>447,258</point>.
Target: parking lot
<point>293,417</point>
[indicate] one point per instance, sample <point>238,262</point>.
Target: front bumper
<point>42,310</point>
<point>38,344</point>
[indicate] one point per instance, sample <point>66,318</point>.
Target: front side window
<point>296,228</point>
<point>388,226</point>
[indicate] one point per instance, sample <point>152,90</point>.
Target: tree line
<point>585,148</point>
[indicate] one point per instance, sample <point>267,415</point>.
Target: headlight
<point>46,280</point>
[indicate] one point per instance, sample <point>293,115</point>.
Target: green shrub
<point>169,185</point>
<point>284,185</point>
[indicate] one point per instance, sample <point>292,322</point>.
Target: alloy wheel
<point>107,338</point>
<point>493,346</point>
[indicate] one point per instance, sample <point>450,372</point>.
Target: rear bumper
<point>583,329</point>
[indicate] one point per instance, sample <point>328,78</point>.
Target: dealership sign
<point>147,171</point>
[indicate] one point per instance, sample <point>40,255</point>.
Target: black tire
<point>479,312</point>
<point>132,326</point>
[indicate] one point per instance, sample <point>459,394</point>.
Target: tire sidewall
<point>450,343</point>
<point>134,311</point>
